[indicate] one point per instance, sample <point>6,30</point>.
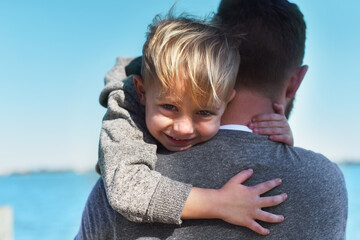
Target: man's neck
<point>245,106</point>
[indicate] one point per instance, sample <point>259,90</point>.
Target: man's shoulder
<point>259,149</point>
<point>315,159</point>
<point>248,139</point>
<point>320,175</point>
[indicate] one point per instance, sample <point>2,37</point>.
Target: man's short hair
<point>273,44</point>
<point>200,54</point>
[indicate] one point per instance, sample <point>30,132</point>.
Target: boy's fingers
<point>281,138</point>
<point>273,200</point>
<point>269,131</point>
<point>267,186</point>
<point>269,217</point>
<point>279,108</point>
<point>267,124</point>
<point>242,176</point>
<point>267,117</point>
<point>256,227</point>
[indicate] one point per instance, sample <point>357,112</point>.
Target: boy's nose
<point>184,126</point>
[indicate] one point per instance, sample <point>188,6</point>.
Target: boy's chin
<point>176,148</point>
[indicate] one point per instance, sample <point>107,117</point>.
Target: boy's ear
<point>140,89</point>
<point>296,80</point>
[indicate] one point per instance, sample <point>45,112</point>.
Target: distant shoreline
<point>44,171</point>
<point>92,170</point>
<point>348,162</point>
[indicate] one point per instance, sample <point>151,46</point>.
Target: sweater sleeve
<point>127,157</point>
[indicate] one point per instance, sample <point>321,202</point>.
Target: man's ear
<point>233,93</point>
<point>140,89</point>
<point>296,80</point>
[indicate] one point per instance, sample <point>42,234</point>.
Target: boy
<point>189,71</point>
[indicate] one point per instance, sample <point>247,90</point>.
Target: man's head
<point>189,71</point>
<point>273,47</point>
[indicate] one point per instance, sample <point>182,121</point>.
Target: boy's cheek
<point>209,130</point>
<point>157,122</point>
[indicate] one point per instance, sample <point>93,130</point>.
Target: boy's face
<point>176,121</point>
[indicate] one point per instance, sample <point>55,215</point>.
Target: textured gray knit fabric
<point>127,157</point>
<point>316,207</point>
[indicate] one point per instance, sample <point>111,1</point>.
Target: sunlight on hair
<point>203,56</point>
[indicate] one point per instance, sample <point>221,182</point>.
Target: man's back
<point>316,207</point>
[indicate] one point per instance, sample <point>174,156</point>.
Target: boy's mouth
<point>179,141</point>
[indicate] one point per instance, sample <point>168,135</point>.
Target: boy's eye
<point>169,107</point>
<point>205,113</point>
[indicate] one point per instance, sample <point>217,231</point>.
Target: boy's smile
<point>179,141</point>
<point>175,120</point>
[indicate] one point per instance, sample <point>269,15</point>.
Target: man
<point>270,71</point>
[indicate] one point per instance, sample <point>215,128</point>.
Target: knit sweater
<point>127,157</point>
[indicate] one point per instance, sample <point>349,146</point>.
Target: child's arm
<point>236,203</point>
<point>273,124</point>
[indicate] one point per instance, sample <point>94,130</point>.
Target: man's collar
<point>235,127</point>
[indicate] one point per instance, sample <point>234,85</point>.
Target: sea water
<point>352,179</point>
<point>46,205</point>
<point>49,205</point>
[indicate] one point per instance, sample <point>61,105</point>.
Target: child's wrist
<point>202,204</point>
<point>217,203</point>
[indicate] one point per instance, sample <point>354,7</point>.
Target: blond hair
<point>202,56</point>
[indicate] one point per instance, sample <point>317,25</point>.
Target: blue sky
<point>54,55</point>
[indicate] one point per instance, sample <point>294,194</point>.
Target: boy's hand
<point>242,205</point>
<point>273,124</point>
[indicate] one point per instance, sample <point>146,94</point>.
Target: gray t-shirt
<point>316,207</point>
